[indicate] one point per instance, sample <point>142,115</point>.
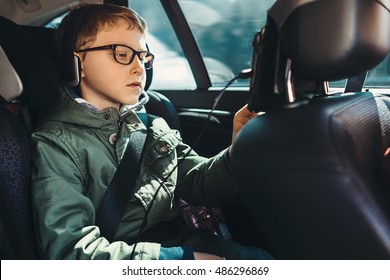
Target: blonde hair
<point>93,18</point>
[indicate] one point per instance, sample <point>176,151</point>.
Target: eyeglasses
<point>125,55</point>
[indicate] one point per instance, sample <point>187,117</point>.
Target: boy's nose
<point>137,66</point>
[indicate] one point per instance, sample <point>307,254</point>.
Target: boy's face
<point>105,82</point>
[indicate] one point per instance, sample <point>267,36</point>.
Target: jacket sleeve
<point>204,181</point>
<point>64,217</point>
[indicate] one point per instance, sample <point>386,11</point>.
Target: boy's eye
<point>123,54</point>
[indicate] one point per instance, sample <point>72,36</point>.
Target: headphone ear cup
<point>149,78</point>
<point>71,70</point>
<point>149,75</point>
<point>70,63</point>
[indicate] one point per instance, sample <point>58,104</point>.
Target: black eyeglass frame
<point>148,65</point>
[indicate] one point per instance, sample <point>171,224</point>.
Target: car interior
<point>309,168</point>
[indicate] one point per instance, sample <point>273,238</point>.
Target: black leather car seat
<point>14,201</point>
<point>310,167</point>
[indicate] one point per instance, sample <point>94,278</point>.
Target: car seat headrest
<point>336,39</point>
<point>10,84</point>
<point>35,69</point>
<point>316,41</point>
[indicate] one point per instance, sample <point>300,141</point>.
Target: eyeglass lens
<point>125,55</point>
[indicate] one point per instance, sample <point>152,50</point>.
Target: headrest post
<point>289,83</point>
<point>325,87</point>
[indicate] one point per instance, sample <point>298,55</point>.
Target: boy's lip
<point>134,84</point>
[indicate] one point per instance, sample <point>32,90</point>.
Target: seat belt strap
<point>122,185</point>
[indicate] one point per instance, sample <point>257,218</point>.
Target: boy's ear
<point>80,73</point>
<point>78,67</point>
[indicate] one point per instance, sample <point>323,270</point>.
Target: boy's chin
<point>131,101</point>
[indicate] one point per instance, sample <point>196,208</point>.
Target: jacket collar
<point>69,108</point>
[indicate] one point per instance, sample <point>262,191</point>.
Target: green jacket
<point>76,150</point>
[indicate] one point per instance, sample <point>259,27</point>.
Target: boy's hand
<point>241,117</point>
<point>205,256</point>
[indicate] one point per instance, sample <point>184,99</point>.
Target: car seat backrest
<point>15,205</point>
<point>310,167</point>
<point>25,60</point>
<point>14,170</point>
<point>161,106</point>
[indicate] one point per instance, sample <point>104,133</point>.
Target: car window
<point>224,32</point>
<point>55,22</point>
<point>379,77</point>
<point>170,67</point>
<point>376,78</point>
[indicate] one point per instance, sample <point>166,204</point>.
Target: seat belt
<point>122,184</point>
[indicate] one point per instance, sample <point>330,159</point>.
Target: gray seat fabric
<point>14,188</point>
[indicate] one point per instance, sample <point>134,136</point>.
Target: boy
<point>81,141</point>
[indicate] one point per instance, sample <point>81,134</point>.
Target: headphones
<point>70,63</point>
